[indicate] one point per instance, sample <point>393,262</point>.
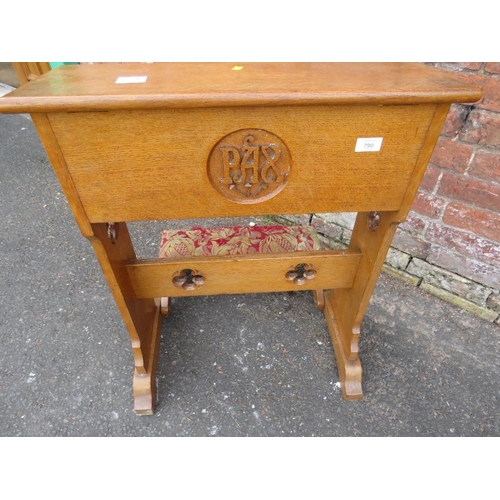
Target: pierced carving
<point>301,273</point>
<point>373,221</point>
<point>188,279</point>
<point>113,231</point>
<point>249,166</point>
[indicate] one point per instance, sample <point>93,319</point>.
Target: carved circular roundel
<point>249,165</point>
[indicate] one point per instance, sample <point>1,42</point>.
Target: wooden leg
<point>165,305</point>
<point>349,369</point>
<point>346,307</point>
<point>319,298</point>
<point>145,382</point>
<point>141,316</point>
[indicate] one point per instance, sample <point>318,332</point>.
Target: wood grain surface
<point>139,165</point>
<point>243,274</point>
<point>93,87</point>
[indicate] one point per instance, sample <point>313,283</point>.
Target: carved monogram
<point>249,166</point>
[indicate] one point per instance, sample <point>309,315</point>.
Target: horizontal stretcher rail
<point>212,275</point>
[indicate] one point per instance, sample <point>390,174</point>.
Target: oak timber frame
<point>129,152</point>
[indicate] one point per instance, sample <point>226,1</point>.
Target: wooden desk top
<point>198,85</point>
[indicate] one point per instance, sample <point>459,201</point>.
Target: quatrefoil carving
<point>188,279</point>
<point>301,273</point>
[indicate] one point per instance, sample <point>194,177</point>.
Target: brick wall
<point>456,215</point>
<point>450,244</point>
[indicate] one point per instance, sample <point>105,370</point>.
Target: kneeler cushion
<point>237,240</point>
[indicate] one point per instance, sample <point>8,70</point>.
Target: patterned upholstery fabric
<point>237,240</point>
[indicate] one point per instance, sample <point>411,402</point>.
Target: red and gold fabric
<point>237,240</point>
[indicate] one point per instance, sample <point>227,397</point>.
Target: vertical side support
<point>141,316</point>
<point>345,308</point>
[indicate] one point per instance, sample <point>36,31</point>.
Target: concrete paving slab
<point>247,365</point>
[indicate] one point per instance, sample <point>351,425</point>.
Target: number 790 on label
<point>368,144</point>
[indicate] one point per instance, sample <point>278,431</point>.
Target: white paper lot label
<point>131,79</point>
<point>368,144</point>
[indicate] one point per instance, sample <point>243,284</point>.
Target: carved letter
<point>271,163</point>
<point>227,164</point>
<point>250,161</point>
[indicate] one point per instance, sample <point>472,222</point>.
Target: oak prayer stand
<point>131,142</point>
